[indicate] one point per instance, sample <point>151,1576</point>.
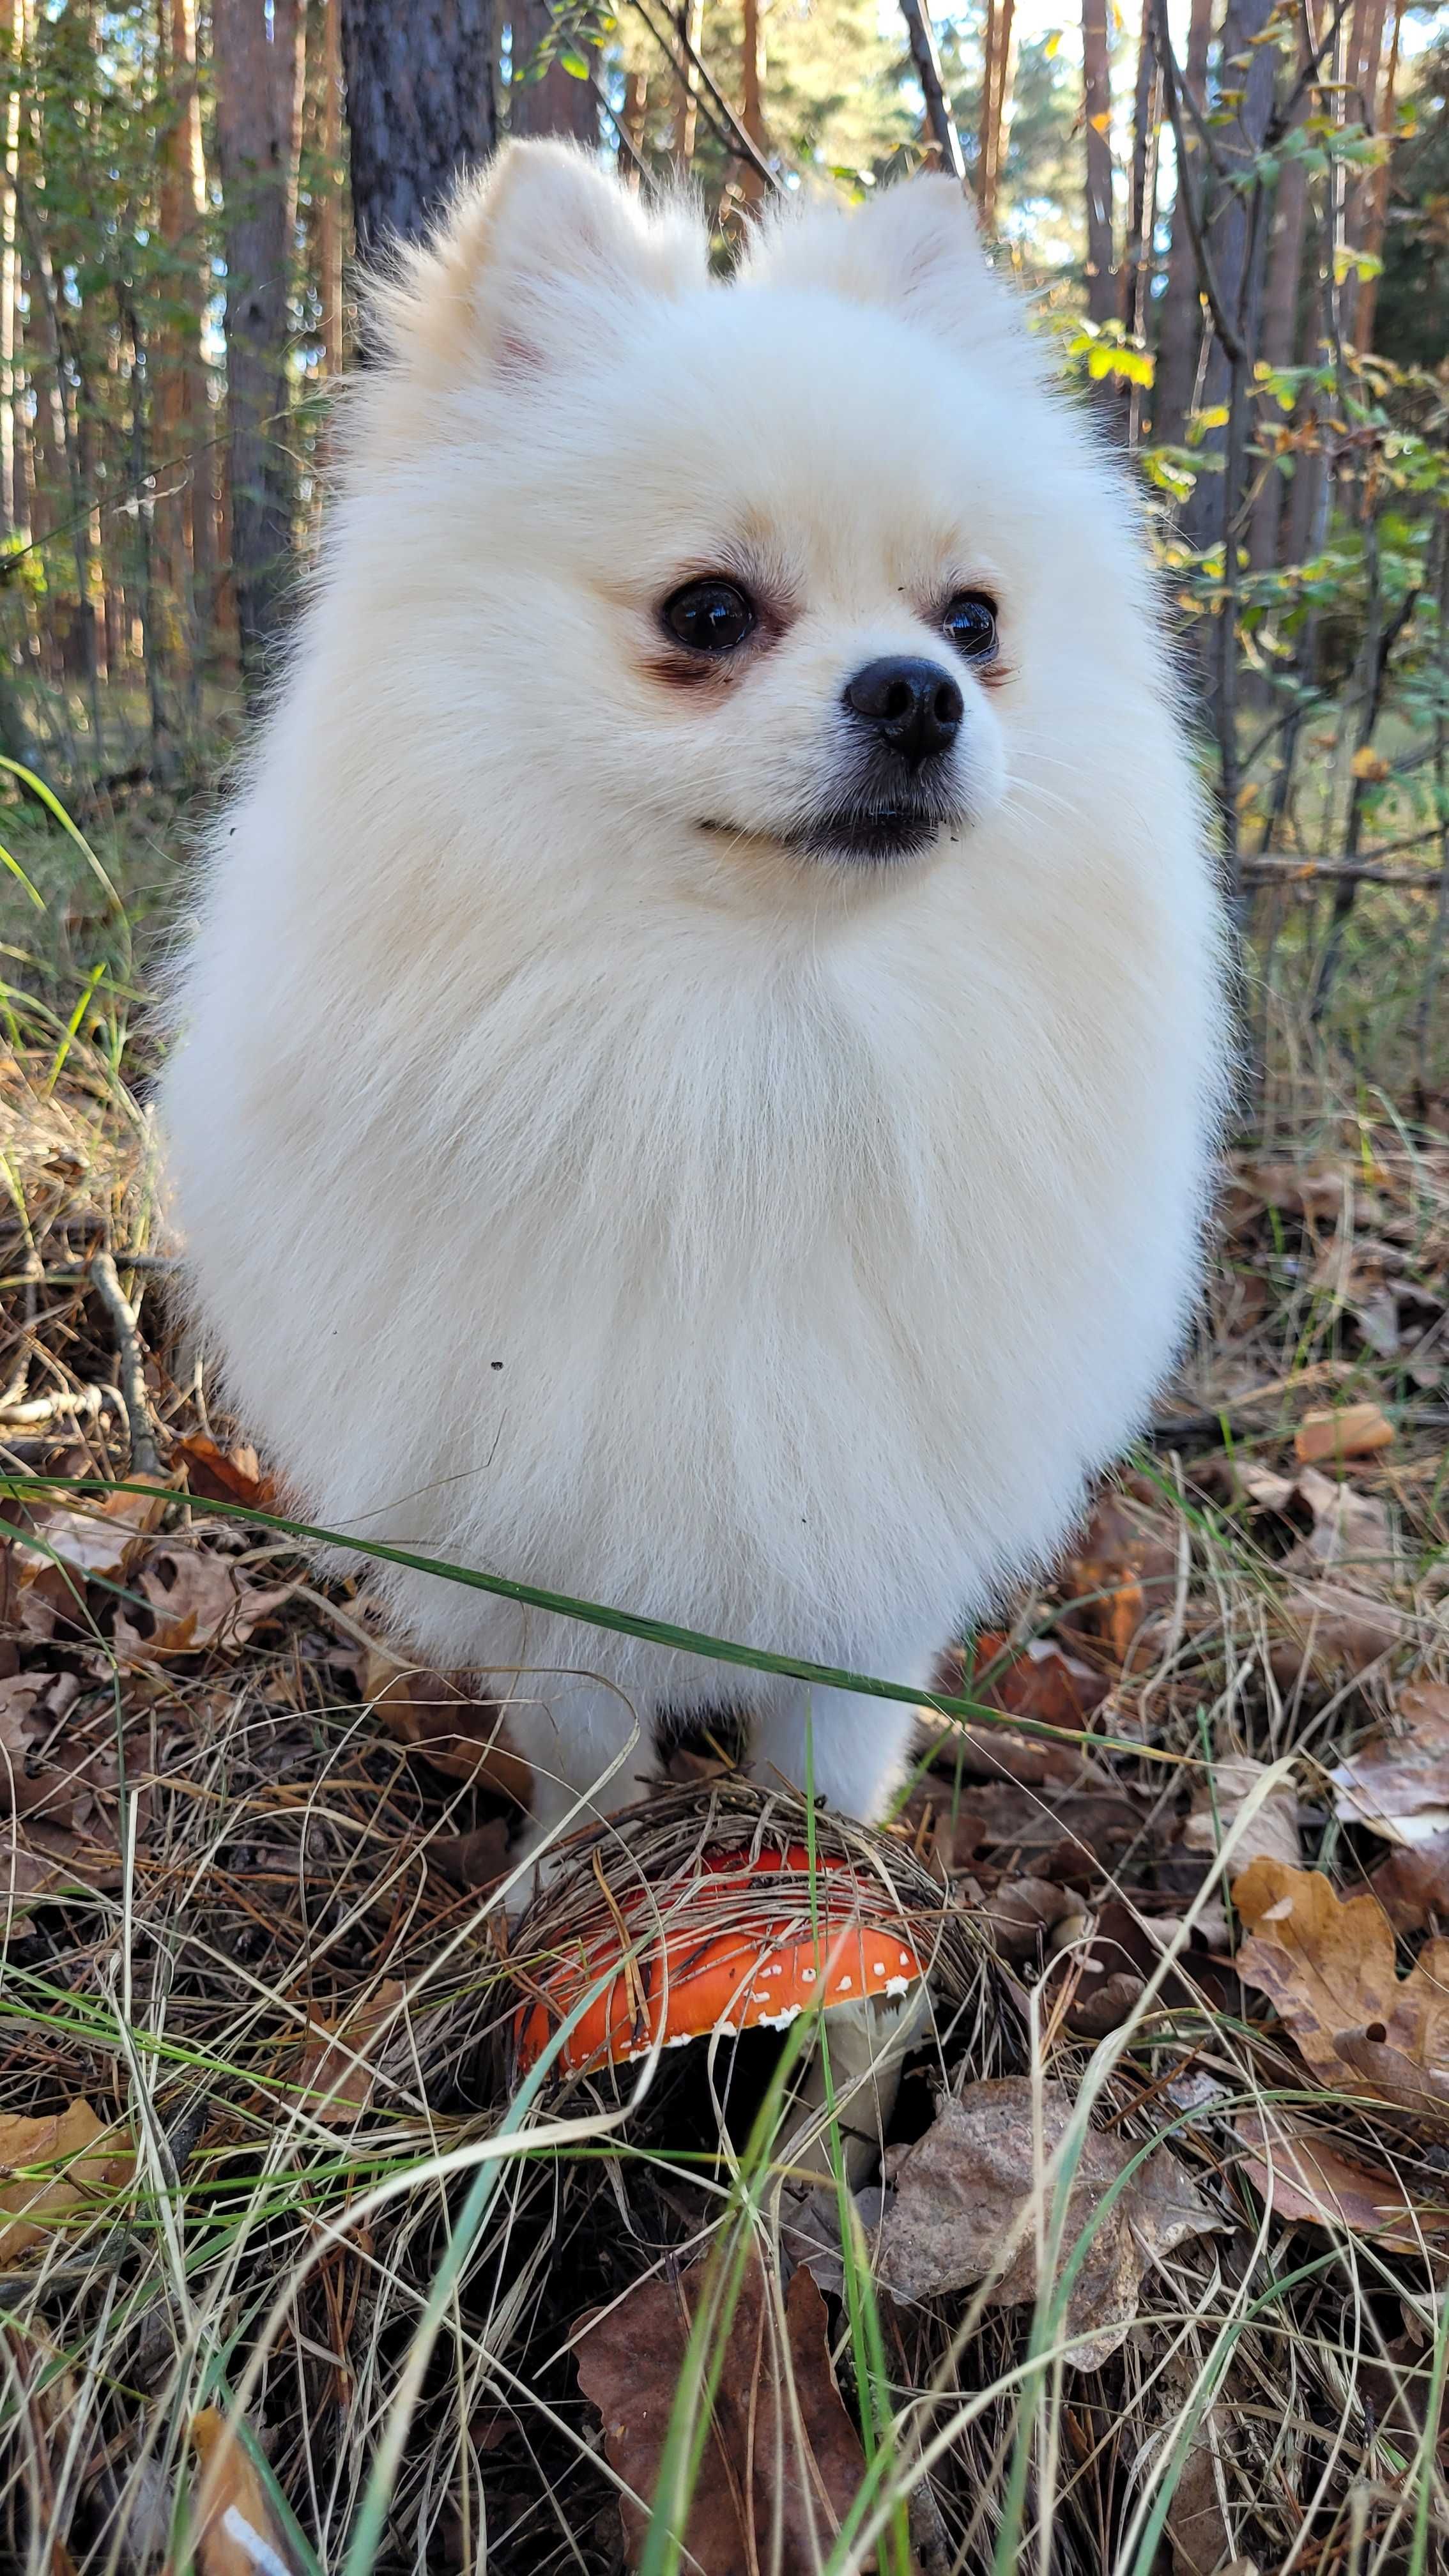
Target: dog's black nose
<point>912,704</point>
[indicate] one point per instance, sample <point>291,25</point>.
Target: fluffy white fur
<point>646,1212</point>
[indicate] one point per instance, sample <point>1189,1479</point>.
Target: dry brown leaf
<point>1353,1431</point>
<point>193,1600</point>
<point>1327,1964</point>
<point>1271,1833</point>
<point>51,2170</point>
<point>1338,1631</point>
<point>334,2070</point>
<point>35,1779</point>
<point>225,1475</point>
<point>1039,1680</point>
<point>1302,2176</point>
<point>1350,1533</point>
<point>1397,1781</point>
<point>1022,1912</point>
<point>238,2532</point>
<point>31,1874</point>
<point>774,2484</point>
<point>1122,1569</point>
<point>964,2191</point>
<point>439,1716</point>
<point>1412,1885</point>
<point>98,1536</point>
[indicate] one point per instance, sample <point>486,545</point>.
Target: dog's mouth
<point>865,833</point>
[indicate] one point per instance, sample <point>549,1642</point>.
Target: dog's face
<point>780,576</point>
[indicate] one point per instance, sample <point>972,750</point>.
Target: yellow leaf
<point>1369,764</point>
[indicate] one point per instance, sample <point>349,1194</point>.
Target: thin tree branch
<point>927,59</point>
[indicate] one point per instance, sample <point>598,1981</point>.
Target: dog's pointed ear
<point>914,248</point>
<point>531,264</point>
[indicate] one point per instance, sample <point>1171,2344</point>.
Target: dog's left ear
<point>914,249</point>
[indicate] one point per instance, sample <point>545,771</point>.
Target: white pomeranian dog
<point>699,1067</point>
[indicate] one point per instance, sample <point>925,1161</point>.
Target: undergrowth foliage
<point>1151,2276</point>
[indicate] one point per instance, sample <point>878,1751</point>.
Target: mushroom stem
<point>868,2043</point>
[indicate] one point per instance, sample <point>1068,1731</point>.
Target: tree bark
<point>1248,79</point>
<point>420,108</point>
<point>185,524</point>
<point>1179,348</point>
<point>1278,335</point>
<point>558,103</point>
<point>12,495</point>
<point>752,98</point>
<point>1136,271</point>
<point>689,19</point>
<point>1097,109</point>
<point>1376,215</point>
<point>633,129</point>
<point>329,230</point>
<point>925,54</point>
<point>259,64</point>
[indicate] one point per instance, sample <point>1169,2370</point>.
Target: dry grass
<point>374,2254</point>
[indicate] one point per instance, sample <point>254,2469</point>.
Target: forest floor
<point>272,2298</point>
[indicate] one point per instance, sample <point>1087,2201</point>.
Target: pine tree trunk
<point>186,515</point>
<point>1279,336</point>
<point>1097,108</point>
<point>690,21</point>
<point>329,230</point>
<point>559,103</point>
<point>1179,347</point>
<point>752,98</point>
<point>259,65</point>
<point>996,76</point>
<point>635,127</point>
<point>1380,180</point>
<point>12,499</point>
<point>1248,72</point>
<point>420,108</point>
<point>1136,270</point>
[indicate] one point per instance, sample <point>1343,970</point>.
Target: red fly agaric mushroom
<point>747,1942</point>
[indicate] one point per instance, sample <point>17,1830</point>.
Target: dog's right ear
<point>530,267</point>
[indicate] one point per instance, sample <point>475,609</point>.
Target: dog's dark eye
<point>709,616</point>
<point>970,622</point>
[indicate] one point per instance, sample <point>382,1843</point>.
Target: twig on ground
<point>83,1403</point>
<point>145,1456</point>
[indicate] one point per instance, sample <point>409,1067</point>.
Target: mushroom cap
<point>738,1945</point>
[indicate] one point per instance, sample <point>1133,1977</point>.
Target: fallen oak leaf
<point>965,2192</point>
<point>54,2170</point>
<point>1349,1532</point>
<point>224,1475</point>
<point>439,1716</point>
<point>1327,1965</point>
<point>1302,2176</point>
<point>783,2463</point>
<point>1271,1832</point>
<point>63,1545</point>
<point>191,1599</point>
<point>1397,1781</point>
<point>1338,1631</point>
